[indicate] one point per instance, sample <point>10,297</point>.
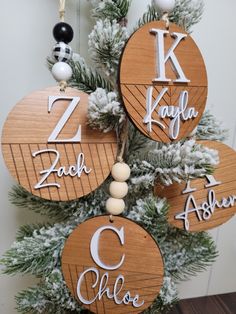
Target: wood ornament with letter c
<point>112,267</point>
<point>49,148</point>
<point>163,82</point>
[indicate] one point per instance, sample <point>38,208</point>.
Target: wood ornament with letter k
<point>163,82</point>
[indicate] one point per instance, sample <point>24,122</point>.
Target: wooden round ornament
<point>163,82</point>
<point>49,148</point>
<point>204,203</point>
<point>112,267</point>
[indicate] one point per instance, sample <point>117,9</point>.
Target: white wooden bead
<point>61,71</point>
<point>115,206</point>
<point>118,189</point>
<point>165,5</point>
<point>120,171</point>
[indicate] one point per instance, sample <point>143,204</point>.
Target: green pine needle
<point>112,10</point>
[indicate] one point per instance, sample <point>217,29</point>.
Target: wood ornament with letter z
<point>163,82</point>
<point>49,148</point>
<point>112,267</point>
<point>205,203</point>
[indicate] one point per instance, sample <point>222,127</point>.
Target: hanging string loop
<point>124,139</point>
<point>165,18</point>
<point>62,11</point>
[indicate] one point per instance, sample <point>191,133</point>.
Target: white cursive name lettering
<point>103,289</point>
<point>101,284</point>
<point>72,171</point>
<point>176,114</point>
<point>206,209</point>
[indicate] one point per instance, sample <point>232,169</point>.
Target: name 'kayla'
<point>72,171</point>
<point>176,114</point>
<point>205,210</point>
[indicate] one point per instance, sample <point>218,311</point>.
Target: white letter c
<point>94,247</point>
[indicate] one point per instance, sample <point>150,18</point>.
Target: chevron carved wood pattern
<point>27,130</point>
<point>138,73</point>
<point>139,250</point>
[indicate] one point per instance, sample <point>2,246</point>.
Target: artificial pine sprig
<point>210,129</point>
<point>106,42</point>
<point>183,256</point>
<point>110,9</point>
<point>86,79</point>
<point>181,251</point>
<point>149,162</point>
<point>27,231</point>
<point>170,163</point>
<point>185,14</point>
<point>39,253</point>
<point>58,211</point>
<point>37,248</point>
<point>105,112</point>
<point>49,296</point>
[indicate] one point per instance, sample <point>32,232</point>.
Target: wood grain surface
<point>225,173</point>
<point>142,267</point>
<point>27,130</point>
<point>138,69</point>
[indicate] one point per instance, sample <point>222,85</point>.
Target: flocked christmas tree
<point>38,247</point>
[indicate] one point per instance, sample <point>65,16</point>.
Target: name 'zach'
<point>72,171</point>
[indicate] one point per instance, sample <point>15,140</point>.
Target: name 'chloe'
<point>174,113</point>
<point>103,285</point>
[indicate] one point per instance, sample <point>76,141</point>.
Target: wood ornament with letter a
<point>112,267</point>
<point>205,203</point>
<point>163,82</point>
<point>49,148</point>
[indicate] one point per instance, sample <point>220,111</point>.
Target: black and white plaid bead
<point>62,52</point>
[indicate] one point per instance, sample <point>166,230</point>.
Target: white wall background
<point>26,40</point>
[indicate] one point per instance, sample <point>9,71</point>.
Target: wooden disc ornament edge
<point>224,219</point>
<point>110,222</point>
<point>27,173</point>
<point>120,87</point>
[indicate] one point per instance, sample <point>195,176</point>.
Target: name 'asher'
<point>205,210</point>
